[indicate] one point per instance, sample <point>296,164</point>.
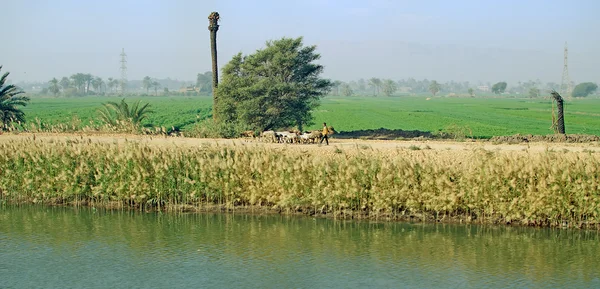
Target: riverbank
<point>539,185</point>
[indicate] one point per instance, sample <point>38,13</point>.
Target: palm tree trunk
<point>213,27</point>
<point>561,117</point>
<point>560,121</point>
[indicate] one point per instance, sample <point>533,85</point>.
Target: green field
<point>482,117</point>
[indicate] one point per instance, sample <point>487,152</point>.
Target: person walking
<point>325,134</point>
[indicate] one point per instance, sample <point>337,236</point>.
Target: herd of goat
<point>292,137</point>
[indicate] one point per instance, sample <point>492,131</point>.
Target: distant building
<point>483,88</point>
<point>190,88</point>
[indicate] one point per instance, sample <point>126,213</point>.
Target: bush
<point>584,89</point>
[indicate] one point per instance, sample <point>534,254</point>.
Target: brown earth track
<point>342,144</point>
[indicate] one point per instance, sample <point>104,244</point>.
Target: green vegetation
<point>584,89</point>
<point>179,112</point>
<point>434,87</point>
<point>10,99</point>
<point>122,113</point>
<point>499,87</point>
<point>479,117</point>
<point>276,87</point>
<point>542,189</point>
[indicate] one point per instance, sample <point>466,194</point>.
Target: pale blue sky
<point>443,40</point>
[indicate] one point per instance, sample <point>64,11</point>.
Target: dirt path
<point>334,143</point>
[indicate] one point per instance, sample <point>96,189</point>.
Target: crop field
<point>181,112</point>
<point>476,117</point>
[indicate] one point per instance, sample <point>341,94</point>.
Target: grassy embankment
<point>545,189</point>
<point>477,117</point>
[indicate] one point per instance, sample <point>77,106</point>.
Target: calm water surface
<point>84,248</point>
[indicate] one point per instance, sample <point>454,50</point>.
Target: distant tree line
<point>411,86</point>
<point>82,84</point>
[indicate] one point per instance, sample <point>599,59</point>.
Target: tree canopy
<point>499,87</point>
<point>584,89</point>
<point>276,87</point>
<point>434,87</point>
<point>204,83</point>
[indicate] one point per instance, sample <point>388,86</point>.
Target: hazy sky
<point>479,40</point>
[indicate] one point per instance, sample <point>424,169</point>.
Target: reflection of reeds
<point>547,189</point>
<point>542,256</point>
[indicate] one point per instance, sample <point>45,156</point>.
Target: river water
<point>53,247</point>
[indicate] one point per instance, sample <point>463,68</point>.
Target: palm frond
<point>10,99</point>
<point>112,113</point>
<point>3,78</point>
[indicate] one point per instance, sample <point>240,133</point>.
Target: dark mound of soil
<point>385,134</point>
<point>553,138</point>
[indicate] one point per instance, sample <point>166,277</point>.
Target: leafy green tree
<point>584,89</point>
<point>65,83</point>
<point>534,92</point>
<point>434,87</point>
<point>54,88</point>
<point>10,99</point>
<point>471,92</point>
<point>114,113</point>
<point>147,83</point>
<point>499,87</point>
<point>389,87</point>
<point>375,83</point>
<point>347,89</point>
<point>204,83</point>
<point>276,87</point>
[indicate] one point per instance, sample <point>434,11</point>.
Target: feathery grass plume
<point>517,187</point>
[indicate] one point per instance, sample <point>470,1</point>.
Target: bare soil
<point>334,143</point>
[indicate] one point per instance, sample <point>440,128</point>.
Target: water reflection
<point>62,247</point>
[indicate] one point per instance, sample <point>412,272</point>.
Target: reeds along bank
<point>530,188</point>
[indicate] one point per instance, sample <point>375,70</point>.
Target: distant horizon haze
<point>475,41</point>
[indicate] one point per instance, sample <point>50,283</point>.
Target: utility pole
<point>123,71</point>
<point>566,88</point>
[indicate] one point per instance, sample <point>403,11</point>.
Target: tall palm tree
<point>10,98</point>
<point>54,88</point>
<point>156,86</point>
<point>88,81</point>
<point>77,81</point>
<point>112,112</point>
<point>213,27</point>
<point>147,83</point>
<point>97,83</point>
<point>113,83</point>
<point>389,87</point>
